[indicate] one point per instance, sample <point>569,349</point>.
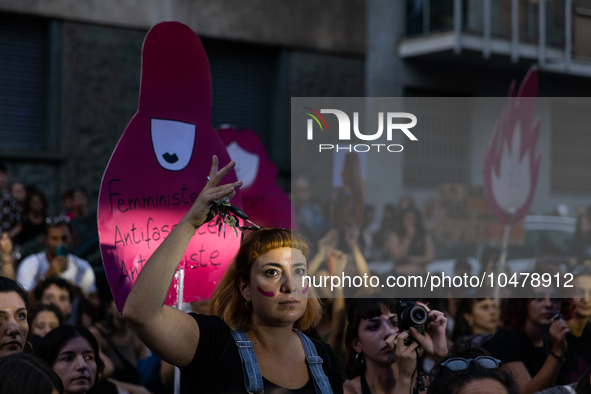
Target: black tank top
<point>364,385</point>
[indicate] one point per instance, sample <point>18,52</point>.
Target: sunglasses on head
<point>459,363</point>
<point>57,221</point>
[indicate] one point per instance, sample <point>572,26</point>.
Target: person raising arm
<point>252,338</point>
<point>170,333</point>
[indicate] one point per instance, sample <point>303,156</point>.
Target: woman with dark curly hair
<point>44,318</point>
<point>532,345</point>
<point>14,327</point>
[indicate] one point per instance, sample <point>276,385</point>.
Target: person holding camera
<point>383,340</point>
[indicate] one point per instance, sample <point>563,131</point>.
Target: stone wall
<point>100,88</point>
<point>330,25</point>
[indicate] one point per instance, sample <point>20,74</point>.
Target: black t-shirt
<point>578,357</point>
<point>107,387</point>
<point>217,368</point>
<point>512,345</point>
<point>29,231</point>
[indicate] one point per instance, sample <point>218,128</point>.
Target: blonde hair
<point>227,301</point>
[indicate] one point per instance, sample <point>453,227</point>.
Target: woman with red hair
<point>254,340</point>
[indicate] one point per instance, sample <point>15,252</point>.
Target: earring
<point>248,304</point>
<point>359,363</point>
<point>470,323</point>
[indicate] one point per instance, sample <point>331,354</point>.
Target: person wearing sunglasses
<point>252,339</point>
<point>471,370</point>
<point>532,344</point>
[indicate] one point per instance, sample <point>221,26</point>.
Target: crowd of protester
<point>539,339</point>
<point>53,310</point>
<point>56,336</point>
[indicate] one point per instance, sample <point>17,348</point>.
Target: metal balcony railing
<point>553,32</point>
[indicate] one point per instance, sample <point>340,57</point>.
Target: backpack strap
<point>321,382</point>
<point>253,379</point>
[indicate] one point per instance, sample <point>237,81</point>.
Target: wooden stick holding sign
<point>511,163</point>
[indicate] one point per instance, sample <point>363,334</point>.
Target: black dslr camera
<point>411,315</point>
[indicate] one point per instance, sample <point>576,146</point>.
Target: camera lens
<point>418,315</point>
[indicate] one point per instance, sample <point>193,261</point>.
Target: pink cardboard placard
<point>159,167</point>
<point>265,203</point>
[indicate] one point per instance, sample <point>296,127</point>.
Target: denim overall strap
<point>321,382</point>
<point>253,379</point>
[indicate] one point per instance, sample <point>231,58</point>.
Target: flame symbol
<point>511,164</point>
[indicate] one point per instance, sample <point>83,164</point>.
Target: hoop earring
<point>470,323</point>
<point>247,304</point>
<point>359,363</point>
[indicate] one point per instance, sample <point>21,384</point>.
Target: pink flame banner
<point>511,163</point>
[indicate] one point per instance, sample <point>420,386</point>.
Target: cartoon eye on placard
<point>264,202</point>
<point>511,161</point>
<point>247,164</point>
<point>173,143</point>
<point>160,165</point>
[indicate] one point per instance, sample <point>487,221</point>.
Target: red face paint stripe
<point>306,289</point>
<point>265,293</point>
